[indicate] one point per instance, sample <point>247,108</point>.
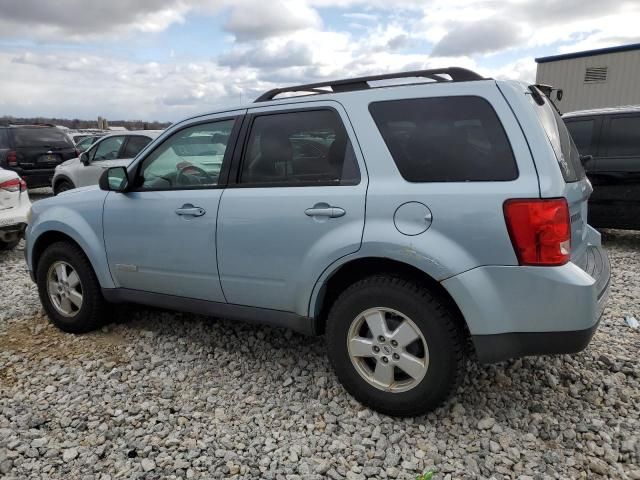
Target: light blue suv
<point>399,220</point>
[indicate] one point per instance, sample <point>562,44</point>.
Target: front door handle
<point>331,212</point>
<point>189,210</point>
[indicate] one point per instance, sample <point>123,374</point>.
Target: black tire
<point>94,310</point>
<point>9,245</point>
<point>437,324</point>
<point>63,186</point>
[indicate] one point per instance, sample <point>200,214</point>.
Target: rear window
<point>445,139</point>
<point>40,137</point>
<point>4,140</point>
<point>563,145</point>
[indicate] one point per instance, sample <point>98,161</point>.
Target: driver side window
<point>191,157</point>
<point>108,149</point>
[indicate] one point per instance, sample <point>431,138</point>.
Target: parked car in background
<point>33,151</point>
<point>609,141</point>
<point>14,208</point>
<point>108,151</point>
<point>405,222</point>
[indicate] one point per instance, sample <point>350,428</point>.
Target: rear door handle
<point>331,212</point>
<point>189,210</point>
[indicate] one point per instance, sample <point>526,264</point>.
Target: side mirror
<point>114,179</point>
<point>84,158</point>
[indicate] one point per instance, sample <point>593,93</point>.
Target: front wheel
<point>394,345</point>
<point>62,186</point>
<point>69,290</point>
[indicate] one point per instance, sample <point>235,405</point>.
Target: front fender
<point>79,216</point>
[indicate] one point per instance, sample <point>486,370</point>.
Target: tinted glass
<point>448,139</point>
<point>299,148</point>
<point>40,137</point>
<point>189,158</point>
<point>563,145</point>
<point>134,145</point>
<point>85,143</point>
<point>582,134</point>
<point>4,139</point>
<point>623,138</point>
<point>108,149</point>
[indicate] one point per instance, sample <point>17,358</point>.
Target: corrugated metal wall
<point>622,86</point>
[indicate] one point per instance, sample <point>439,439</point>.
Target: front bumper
<point>518,311</point>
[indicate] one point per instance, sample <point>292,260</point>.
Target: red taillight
<point>540,230</point>
<point>12,185</point>
<point>23,185</point>
<point>12,158</point>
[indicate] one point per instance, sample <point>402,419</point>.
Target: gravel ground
<point>168,395</point>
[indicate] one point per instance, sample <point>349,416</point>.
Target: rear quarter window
<point>445,139</point>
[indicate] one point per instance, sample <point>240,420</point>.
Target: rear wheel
<point>62,186</point>
<point>395,346</point>
<point>69,290</point>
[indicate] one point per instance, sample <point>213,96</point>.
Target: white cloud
<point>275,43</point>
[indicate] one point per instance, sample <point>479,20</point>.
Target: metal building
<point>607,77</point>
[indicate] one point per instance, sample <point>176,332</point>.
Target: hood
<point>79,190</point>
<point>68,163</point>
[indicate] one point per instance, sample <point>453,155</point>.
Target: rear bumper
<point>517,311</point>
<point>502,346</point>
<point>36,177</point>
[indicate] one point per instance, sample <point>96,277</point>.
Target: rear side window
<point>134,145</point>
<point>299,148</point>
<point>623,138</point>
<point>563,145</point>
<point>445,139</point>
<point>40,137</point>
<point>582,134</point>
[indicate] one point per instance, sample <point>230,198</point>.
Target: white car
<point>14,207</point>
<point>113,150</point>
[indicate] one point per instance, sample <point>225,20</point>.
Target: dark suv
<point>609,140</point>
<point>33,151</point>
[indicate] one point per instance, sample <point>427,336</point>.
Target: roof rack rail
<point>457,74</point>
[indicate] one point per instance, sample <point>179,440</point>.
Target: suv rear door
<point>295,203</point>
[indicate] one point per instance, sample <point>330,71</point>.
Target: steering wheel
<point>188,173</point>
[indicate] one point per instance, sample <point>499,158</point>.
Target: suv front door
<point>295,204</point>
<point>160,237</point>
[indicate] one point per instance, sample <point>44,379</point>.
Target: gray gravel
<point>166,395</point>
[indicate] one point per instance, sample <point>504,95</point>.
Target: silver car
<point>112,150</point>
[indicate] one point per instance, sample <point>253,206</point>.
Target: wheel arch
<point>356,269</point>
<point>59,179</point>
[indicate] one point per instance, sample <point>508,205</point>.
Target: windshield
<point>40,137</point>
<point>561,141</point>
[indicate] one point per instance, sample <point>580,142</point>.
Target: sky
<point>169,59</point>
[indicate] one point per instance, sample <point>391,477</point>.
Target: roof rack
<point>456,74</point>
